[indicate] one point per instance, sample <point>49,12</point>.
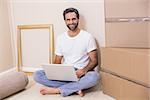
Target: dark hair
<point>70,10</point>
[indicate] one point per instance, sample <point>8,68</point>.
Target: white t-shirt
<point>75,49</point>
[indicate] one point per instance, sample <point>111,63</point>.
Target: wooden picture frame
<point>20,28</point>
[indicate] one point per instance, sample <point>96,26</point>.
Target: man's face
<point>71,21</point>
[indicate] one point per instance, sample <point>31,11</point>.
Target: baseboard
<point>9,70</point>
<point>30,69</point>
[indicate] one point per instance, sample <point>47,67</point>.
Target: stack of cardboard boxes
<point>125,73</point>
<point>125,60</point>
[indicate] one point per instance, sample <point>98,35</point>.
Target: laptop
<point>62,72</point>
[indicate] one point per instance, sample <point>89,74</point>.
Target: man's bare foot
<point>49,90</point>
<point>80,93</point>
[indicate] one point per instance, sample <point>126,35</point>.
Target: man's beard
<point>73,26</point>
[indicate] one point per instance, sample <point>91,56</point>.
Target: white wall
<point>50,12</point>
<point>6,59</point>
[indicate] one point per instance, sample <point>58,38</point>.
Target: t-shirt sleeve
<point>58,50</point>
<point>91,44</point>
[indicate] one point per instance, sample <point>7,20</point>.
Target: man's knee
<point>37,75</point>
<point>93,76</point>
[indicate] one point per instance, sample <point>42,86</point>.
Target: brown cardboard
<point>133,64</point>
<point>127,34</point>
<point>122,89</point>
<point>126,8</point>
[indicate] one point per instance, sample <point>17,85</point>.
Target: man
<point>75,47</point>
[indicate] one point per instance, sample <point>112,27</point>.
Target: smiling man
<point>76,47</point>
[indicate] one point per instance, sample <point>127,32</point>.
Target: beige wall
<point>50,12</point>
<point>6,60</point>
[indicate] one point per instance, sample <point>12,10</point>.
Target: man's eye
<point>74,19</point>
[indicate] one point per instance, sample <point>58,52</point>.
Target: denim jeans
<point>68,87</point>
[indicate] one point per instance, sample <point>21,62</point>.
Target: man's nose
<point>70,21</point>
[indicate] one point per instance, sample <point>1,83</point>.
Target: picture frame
<point>24,52</point>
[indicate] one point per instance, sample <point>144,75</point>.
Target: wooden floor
<point>32,93</point>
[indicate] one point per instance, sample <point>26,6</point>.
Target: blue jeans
<point>66,88</point>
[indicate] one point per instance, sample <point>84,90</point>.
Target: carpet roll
<point>12,82</point>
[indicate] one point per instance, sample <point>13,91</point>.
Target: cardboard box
<point>126,8</point>
<point>122,89</point>
<point>133,64</point>
<point>127,34</point>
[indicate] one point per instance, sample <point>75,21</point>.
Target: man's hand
<point>80,72</point>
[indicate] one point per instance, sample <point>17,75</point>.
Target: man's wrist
<point>85,70</point>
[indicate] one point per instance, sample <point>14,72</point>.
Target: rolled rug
<point>12,82</point>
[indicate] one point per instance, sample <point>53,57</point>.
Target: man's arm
<point>93,61</point>
<point>91,65</point>
<point>58,59</point>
